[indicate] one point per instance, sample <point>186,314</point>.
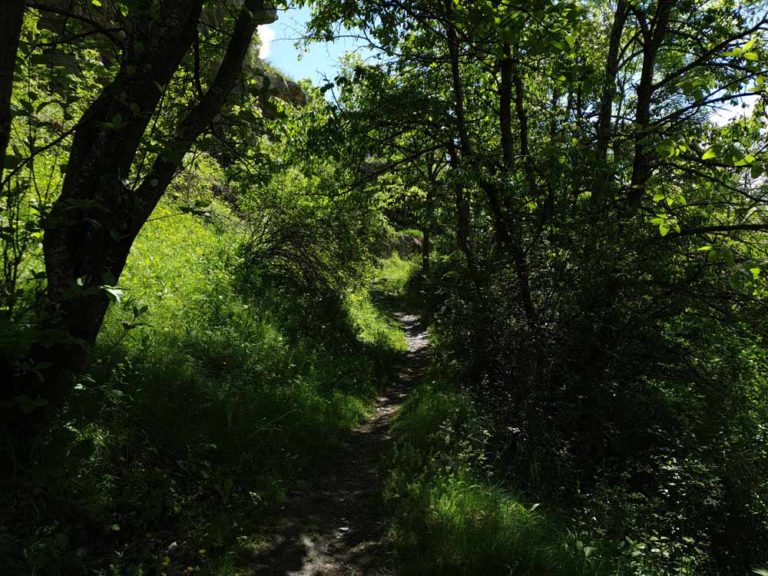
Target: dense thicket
<point>593,173</point>
<point>585,181</point>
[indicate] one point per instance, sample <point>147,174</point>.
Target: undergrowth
<point>206,403</point>
<point>450,517</point>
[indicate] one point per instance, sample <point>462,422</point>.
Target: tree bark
<point>11,19</point>
<point>463,217</point>
<point>89,219</point>
<point>94,222</point>
<point>429,218</point>
<point>522,120</point>
<point>458,88</point>
<point>510,77</point>
<point>507,235</point>
<point>643,157</point>
<point>604,174</point>
<point>506,68</point>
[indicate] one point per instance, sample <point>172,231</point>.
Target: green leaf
<point>664,229</point>
<point>709,154</point>
<point>751,56</point>
<point>746,160</point>
<point>667,149</point>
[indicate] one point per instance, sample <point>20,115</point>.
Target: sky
<point>321,59</point>
<point>728,112</point>
<point>318,60</point>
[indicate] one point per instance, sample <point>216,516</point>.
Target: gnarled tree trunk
<point>95,220</point>
<point>11,19</point>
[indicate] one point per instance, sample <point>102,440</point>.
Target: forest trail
<point>336,527</point>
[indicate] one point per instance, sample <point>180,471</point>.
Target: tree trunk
<point>467,152</point>
<point>463,216</point>
<point>604,174</point>
<point>429,209</point>
<point>506,67</point>
<point>458,87</point>
<point>88,228</point>
<point>11,19</point>
<point>507,235</point>
<point>643,159</point>
<point>94,222</point>
<point>522,119</point>
<point>513,236</point>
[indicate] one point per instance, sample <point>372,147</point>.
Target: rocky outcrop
<point>71,18</point>
<point>286,89</point>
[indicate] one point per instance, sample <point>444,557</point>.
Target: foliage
<point>125,475</point>
<point>600,249</point>
<point>451,518</point>
<point>584,183</point>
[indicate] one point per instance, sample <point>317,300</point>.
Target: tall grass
<point>206,404</point>
<point>392,276</point>
<point>450,519</point>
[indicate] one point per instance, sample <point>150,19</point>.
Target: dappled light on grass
<point>449,519</point>
<point>218,285</point>
<point>212,407</point>
<point>374,327</point>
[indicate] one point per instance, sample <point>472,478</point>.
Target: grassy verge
<point>207,403</point>
<point>450,517</point>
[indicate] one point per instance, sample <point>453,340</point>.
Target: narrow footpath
<point>337,527</point>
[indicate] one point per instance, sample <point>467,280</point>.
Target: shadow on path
<point>337,527</point>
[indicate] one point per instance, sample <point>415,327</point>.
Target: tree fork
<point>86,248</point>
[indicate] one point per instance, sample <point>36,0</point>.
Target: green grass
<point>373,326</point>
<point>415,232</point>
<point>450,519</point>
<point>207,402</point>
<point>392,276</point>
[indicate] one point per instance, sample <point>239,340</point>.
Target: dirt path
<point>336,527</point>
